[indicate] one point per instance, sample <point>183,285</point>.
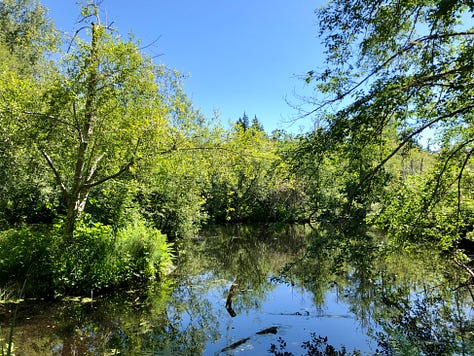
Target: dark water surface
<point>266,290</point>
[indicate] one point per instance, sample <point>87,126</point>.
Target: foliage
<point>142,251</point>
<point>112,203</point>
<point>99,259</point>
<point>87,263</point>
<point>398,76</point>
<point>27,37</point>
<point>250,181</point>
<point>102,129</point>
<point>26,34</point>
<point>420,211</point>
<point>172,198</point>
<point>96,260</point>
<point>105,108</point>
<point>26,259</point>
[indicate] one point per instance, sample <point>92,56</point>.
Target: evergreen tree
<point>243,122</point>
<point>256,124</point>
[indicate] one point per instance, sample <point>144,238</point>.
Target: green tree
<point>243,121</point>
<point>250,181</point>
<point>26,33</point>
<point>105,109</point>
<point>27,37</point>
<point>256,124</point>
<point>396,71</point>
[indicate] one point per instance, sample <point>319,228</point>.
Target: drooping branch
<point>443,170</point>
<point>412,135</point>
<point>459,179</point>
<point>407,47</point>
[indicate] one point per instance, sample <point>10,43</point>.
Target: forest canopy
<point>104,160</point>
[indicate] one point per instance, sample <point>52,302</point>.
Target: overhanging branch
<point>407,47</point>
<point>410,136</point>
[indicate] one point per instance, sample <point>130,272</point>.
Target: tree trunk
<point>77,197</point>
<point>75,205</point>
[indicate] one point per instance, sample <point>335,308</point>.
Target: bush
<point>40,263</point>
<point>25,260</point>
<point>143,250</point>
<point>88,262</point>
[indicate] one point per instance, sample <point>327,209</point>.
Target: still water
<point>266,290</point>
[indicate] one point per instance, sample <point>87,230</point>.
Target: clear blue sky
<point>240,55</point>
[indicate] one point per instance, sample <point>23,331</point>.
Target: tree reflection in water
<point>413,301</point>
<point>410,301</point>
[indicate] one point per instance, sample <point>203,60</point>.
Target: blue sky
<point>239,55</point>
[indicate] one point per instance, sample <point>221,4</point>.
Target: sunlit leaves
<point>399,73</point>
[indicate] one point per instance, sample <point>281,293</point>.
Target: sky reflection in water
<point>293,312</point>
<point>354,293</point>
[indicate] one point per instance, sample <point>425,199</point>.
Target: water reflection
<point>412,301</point>
<point>260,290</point>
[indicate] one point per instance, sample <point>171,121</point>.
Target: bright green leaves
<point>103,108</point>
<point>26,33</point>
<point>249,181</point>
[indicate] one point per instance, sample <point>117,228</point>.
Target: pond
<point>260,290</point>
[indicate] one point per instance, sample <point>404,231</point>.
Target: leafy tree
<point>27,37</point>
<point>249,180</point>
<point>25,33</point>
<point>396,70</point>
<point>105,109</point>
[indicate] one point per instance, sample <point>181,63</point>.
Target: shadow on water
<point>279,290</point>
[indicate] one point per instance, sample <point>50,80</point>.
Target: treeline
<point>102,154</point>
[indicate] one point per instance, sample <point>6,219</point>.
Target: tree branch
<point>461,171</point>
<point>445,167</point>
<point>94,167</point>
<point>410,45</point>
<point>112,176</point>
<point>51,117</point>
<point>410,136</point>
<point>55,172</point>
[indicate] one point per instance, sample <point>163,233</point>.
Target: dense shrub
<point>87,262</point>
<point>142,251</point>
<point>41,264</point>
<point>26,260</point>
